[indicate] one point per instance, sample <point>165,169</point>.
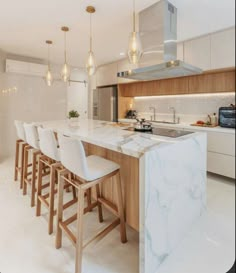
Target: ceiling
<point>26,24</point>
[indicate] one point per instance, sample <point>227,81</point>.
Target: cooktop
<point>163,132</point>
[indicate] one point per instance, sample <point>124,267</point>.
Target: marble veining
<point>175,197</point>
<point>109,135</point>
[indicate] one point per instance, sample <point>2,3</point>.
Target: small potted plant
<point>73,117</point>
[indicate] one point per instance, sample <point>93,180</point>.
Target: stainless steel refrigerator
<point>105,104</point>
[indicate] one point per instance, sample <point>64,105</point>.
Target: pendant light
<point>135,50</point>
<point>49,77</point>
<point>91,64</point>
<point>65,72</point>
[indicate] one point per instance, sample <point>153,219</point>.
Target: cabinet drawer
<point>221,164</point>
<point>221,143</point>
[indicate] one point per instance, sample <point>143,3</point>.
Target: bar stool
<point>50,157</point>
<point>29,177</point>
<point>19,156</point>
<point>90,172</point>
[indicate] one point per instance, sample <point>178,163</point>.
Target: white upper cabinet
<point>223,49</point>
<point>180,51</point>
<point>107,75</point>
<point>122,66</point>
<point>197,52</point>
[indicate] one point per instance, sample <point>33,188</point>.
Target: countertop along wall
<point>31,101</point>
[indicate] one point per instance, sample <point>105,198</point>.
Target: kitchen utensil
<point>142,125</point>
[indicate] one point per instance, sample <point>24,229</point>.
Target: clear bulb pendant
<point>49,78</point>
<point>91,65</point>
<point>65,72</point>
<point>135,50</point>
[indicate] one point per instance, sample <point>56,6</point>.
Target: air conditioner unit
<point>24,68</point>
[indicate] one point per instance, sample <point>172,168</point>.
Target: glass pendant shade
<point>135,50</point>
<point>65,72</point>
<point>49,78</point>
<point>91,64</point>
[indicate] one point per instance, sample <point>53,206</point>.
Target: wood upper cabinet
<point>212,83</point>
<point>155,88</point>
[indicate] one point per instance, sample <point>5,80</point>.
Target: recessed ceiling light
<point>122,54</point>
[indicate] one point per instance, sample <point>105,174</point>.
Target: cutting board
<point>204,125</point>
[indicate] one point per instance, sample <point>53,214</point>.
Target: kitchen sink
<point>170,132</point>
<point>164,132</point>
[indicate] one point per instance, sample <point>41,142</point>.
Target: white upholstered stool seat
<point>50,157</point>
<point>86,173</point>
<point>99,167</point>
<point>32,150</point>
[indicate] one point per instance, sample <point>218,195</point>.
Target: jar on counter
<point>214,119</point>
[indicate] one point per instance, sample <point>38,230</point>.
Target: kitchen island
<point>163,180</point>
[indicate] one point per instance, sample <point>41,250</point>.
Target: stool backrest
<point>73,155</point>
<point>48,143</point>
<point>31,135</point>
<point>20,131</point>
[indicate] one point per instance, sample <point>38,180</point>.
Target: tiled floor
<point>25,246</point>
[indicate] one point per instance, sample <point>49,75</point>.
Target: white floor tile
<point>26,247</point>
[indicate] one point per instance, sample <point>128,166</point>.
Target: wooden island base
<point>130,182</point>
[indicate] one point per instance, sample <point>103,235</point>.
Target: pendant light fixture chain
<point>134,16</point>
<point>65,29</point>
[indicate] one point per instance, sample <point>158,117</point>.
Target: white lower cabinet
<point>221,153</point>
<point>221,164</point>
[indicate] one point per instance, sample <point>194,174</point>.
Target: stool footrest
<point>102,233</point>
<point>94,239</point>
<point>108,205</point>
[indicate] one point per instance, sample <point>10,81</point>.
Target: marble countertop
<point>188,126</point>
<point>111,136</point>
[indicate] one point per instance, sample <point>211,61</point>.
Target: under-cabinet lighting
<point>185,96</point>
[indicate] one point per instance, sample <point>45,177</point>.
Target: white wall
<point>189,108</point>
<point>77,93</point>
<point>33,101</point>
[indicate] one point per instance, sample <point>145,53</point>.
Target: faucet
<point>174,114</point>
<point>154,113</point>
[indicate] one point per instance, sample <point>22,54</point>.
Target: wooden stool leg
<point>51,198</point>
<point>100,214</point>
<point>61,184</point>
<point>26,157</point>
<point>34,168</point>
<point>17,160</point>
<point>89,198</point>
<point>121,209</point>
<point>39,187</point>
<point>79,237</point>
<point>74,192</point>
<point>22,164</point>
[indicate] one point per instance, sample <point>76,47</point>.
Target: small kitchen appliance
<point>227,117</point>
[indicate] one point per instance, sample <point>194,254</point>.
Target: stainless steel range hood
<point>158,28</point>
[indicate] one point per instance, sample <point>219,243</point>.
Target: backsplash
<point>189,108</point>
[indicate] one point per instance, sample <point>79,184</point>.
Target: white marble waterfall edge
<point>173,183</point>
